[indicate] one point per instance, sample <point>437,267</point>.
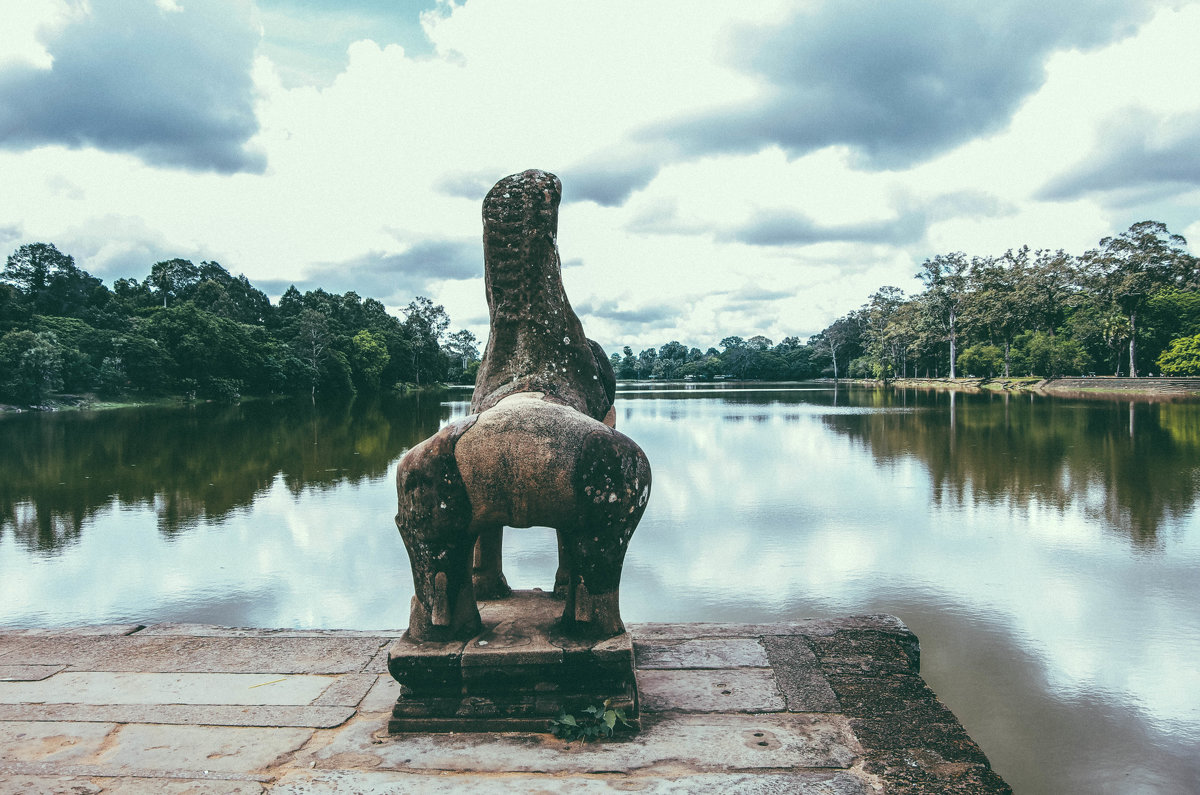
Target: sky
<point>727,168</point>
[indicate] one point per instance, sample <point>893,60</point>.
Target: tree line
<point>1130,306</point>
<point>199,330</point>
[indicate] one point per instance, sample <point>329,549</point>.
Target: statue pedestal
<point>518,674</point>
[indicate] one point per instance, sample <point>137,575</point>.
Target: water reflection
<point>193,464</point>
<point>1131,467</point>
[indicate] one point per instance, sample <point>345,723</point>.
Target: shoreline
<point>90,402</point>
<point>1098,387</point>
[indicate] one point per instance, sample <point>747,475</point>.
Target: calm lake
<point>1046,551</point>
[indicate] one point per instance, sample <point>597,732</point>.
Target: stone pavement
<point>835,707</point>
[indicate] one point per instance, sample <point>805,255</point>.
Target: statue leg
<point>613,484</point>
<point>488,574</point>
<point>434,518</point>
<point>562,577</point>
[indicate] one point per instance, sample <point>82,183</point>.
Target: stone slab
<point>182,714</point>
<point>715,690</point>
<point>813,627</point>
<point>697,743</point>
<point>49,785</point>
<point>83,631</point>
<point>24,741</point>
<point>216,749</point>
<point>78,785</point>
<point>101,772</point>
<point>79,687</point>
<point>888,733</point>
<point>386,783</point>
<point>382,695</point>
<point>511,643</point>
<point>28,673</point>
<point>172,629</point>
<point>867,652</point>
<point>702,653</point>
<point>184,654</point>
<point>346,690</point>
<point>804,687</point>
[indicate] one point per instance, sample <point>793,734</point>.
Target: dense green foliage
<point>1129,306</point>
<point>198,329</point>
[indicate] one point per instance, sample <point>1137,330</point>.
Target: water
<point>1044,550</point>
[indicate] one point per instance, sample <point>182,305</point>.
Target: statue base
<point>518,674</point>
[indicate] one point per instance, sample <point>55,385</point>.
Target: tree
<point>671,357</point>
<point>645,362</point>
<point>1182,357</point>
<point>463,346</point>
<point>30,366</point>
<point>51,282</point>
<point>30,267</point>
<point>368,358</point>
<point>425,323</point>
<point>983,360</point>
<point>628,367</point>
<point>841,338</point>
<point>887,350</point>
<point>1134,265</point>
<point>738,356</point>
<point>1048,289</point>
<point>1052,356</point>
<point>172,278</point>
<point>945,278</point>
<point>994,302</point>
<point>312,340</point>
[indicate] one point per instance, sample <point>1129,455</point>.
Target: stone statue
<point>539,448</point>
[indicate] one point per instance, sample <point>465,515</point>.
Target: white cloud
<point>393,153</point>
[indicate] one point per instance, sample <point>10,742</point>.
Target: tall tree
<point>1132,266</point>
<point>426,322</point>
<point>51,282</point>
<point>464,346</point>
<point>841,338</point>
<point>994,302</point>
<point>945,277</point>
<point>172,277</point>
<point>878,315</point>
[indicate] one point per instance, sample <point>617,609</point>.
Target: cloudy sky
<point>728,168</point>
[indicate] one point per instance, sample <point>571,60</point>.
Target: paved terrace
<point>833,707</point>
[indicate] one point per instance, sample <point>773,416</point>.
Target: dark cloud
<point>391,276</point>
<point>9,233</point>
<point>171,87</point>
<point>1140,154</point>
<point>789,228</point>
<point>898,83</point>
<point>751,294</point>
<point>604,186</point>
<point>652,315</point>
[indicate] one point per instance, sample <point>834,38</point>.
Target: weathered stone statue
<point>539,447</point>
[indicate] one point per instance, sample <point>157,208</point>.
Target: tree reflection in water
<point>1131,466</point>
<point>191,464</point>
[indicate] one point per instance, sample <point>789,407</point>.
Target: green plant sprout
<point>591,724</point>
